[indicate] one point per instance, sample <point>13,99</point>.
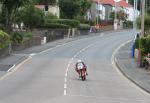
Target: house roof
<point>121,3</point>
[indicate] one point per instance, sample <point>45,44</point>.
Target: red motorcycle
<point>83,74</point>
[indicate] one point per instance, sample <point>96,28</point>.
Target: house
<point>105,7</point>
<point>96,11</point>
<point>54,9</point>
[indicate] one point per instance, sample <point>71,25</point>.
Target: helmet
<point>79,61</point>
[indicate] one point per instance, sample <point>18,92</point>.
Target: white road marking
<point>65,86</point>
<point>113,59</point>
<point>15,68</point>
<point>65,92</point>
<point>65,80</point>
<point>9,70</point>
<point>69,63</point>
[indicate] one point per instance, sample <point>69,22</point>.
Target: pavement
<point>130,69</point>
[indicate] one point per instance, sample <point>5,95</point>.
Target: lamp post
<point>98,7</point>
<point>135,14</point>
<point>115,18</point>
<point>142,17</point>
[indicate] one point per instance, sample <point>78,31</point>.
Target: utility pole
<point>143,18</point>
<point>115,18</point>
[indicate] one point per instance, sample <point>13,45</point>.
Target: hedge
<point>69,22</point>
<point>54,26</point>
<point>4,39</point>
<point>128,24</point>
<point>84,27</point>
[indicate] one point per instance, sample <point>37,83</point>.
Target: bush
<point>144,45</point>
<point>31,17</point>
<point>4,39</point>
<point>54,26</point>
<point>19,37</point>
<point>84,27</point>
<point>128,24</point>
<point>70,23</point>
<point>146,22</point>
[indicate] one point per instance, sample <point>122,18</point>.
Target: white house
<point>97,10</point>
<point>103,8</point>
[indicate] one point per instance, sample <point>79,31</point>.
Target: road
<point>49,76</point>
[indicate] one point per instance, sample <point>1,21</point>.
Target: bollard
<point>133,48</point>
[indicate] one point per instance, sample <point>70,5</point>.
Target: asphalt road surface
<point>49,76</point>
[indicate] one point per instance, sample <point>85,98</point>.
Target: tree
<point>9,8</point>
<point>46,2</point>
<point>31,16</point>
<point>120,15</point>
<point>69,9</point>
<point>85,5</point>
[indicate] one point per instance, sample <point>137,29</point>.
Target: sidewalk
<point>129,68</point>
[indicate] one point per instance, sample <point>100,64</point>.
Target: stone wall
<point>4,52</point>
<point>27,44</point>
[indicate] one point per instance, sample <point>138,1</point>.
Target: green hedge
<point>84,27</point>
<point>128,24</point>
<point>54,26</point>
<point>4,39</point>
<point>69,22</point>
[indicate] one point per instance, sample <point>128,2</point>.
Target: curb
<point>129,77</point>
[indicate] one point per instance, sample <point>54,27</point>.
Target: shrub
<point>128,24</point>
<point>54,26</point>
<point>31,17</point>
<point>146,22</point>
<point>71,23</point>
<point>17,37</point>
<point>4,39</point>
<point>84,27</point>
<point>144,45</point>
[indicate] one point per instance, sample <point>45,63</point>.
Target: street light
<point>142,18</point>
<point>115,18</point>
<point>135,14</point>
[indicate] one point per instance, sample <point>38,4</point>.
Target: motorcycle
<point>83,74</point>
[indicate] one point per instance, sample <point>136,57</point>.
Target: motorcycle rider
<point>80,65</point>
